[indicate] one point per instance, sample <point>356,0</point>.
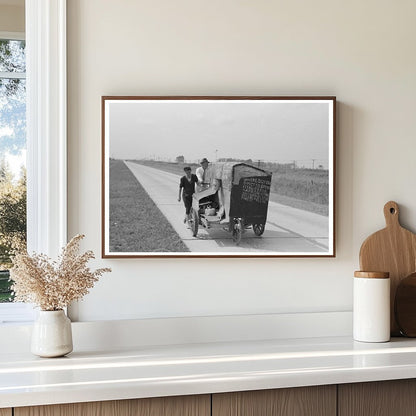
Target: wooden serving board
<point>393,250</point>
<point>405,306</point>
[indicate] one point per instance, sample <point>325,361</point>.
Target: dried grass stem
<point>53,285</point>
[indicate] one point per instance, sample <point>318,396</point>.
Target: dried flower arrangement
<point>52,285</point>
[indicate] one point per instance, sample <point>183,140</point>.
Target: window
<point>12,154</point>
<point>46,135</point>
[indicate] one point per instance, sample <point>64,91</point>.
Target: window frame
<point>46,121</point>
<point>12,35</point>
<point>46,125</point>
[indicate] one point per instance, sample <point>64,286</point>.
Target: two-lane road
<point>288,230</point>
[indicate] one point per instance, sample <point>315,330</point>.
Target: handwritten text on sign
<point>256,190</point>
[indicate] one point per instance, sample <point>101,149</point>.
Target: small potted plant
<point>51,286</point>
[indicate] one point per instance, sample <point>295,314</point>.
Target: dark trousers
<point>187,200</point>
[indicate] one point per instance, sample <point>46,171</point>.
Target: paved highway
<point>288,230</point>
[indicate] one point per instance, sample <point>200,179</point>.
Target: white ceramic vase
<point>52,334</point>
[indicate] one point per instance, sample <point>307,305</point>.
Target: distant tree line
<point>12,214</point>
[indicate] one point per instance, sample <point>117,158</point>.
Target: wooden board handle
<point>391,214</point>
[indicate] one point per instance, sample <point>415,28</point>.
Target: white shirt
<point>204,176</point>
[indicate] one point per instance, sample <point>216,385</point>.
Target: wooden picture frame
<point>270,190</point>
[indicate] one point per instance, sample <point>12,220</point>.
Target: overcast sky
<point>265,130</point>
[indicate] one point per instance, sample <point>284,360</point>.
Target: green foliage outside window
<point>12,224</point>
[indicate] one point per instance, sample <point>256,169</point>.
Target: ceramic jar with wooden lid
<point>371,306</point>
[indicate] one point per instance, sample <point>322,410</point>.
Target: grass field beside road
<point>305,189</point>
<point>136,223</point>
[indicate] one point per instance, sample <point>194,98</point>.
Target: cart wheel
<point>238,231</point>
<point>258,229</point>
<point>193,223</point>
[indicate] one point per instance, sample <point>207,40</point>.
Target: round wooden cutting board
<point>405,306</point>
<point>392,250</point>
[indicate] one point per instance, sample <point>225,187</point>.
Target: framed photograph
<point>218,176</point>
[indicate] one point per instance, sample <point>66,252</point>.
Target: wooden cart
<point>236,199</point>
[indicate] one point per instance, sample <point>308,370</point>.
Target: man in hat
<point>203,174</point>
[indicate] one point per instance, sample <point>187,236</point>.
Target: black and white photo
<point>218,176</point>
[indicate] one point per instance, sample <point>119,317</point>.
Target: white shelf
<point>150,371</point>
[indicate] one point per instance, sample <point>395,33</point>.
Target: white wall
<point>361,51</point>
